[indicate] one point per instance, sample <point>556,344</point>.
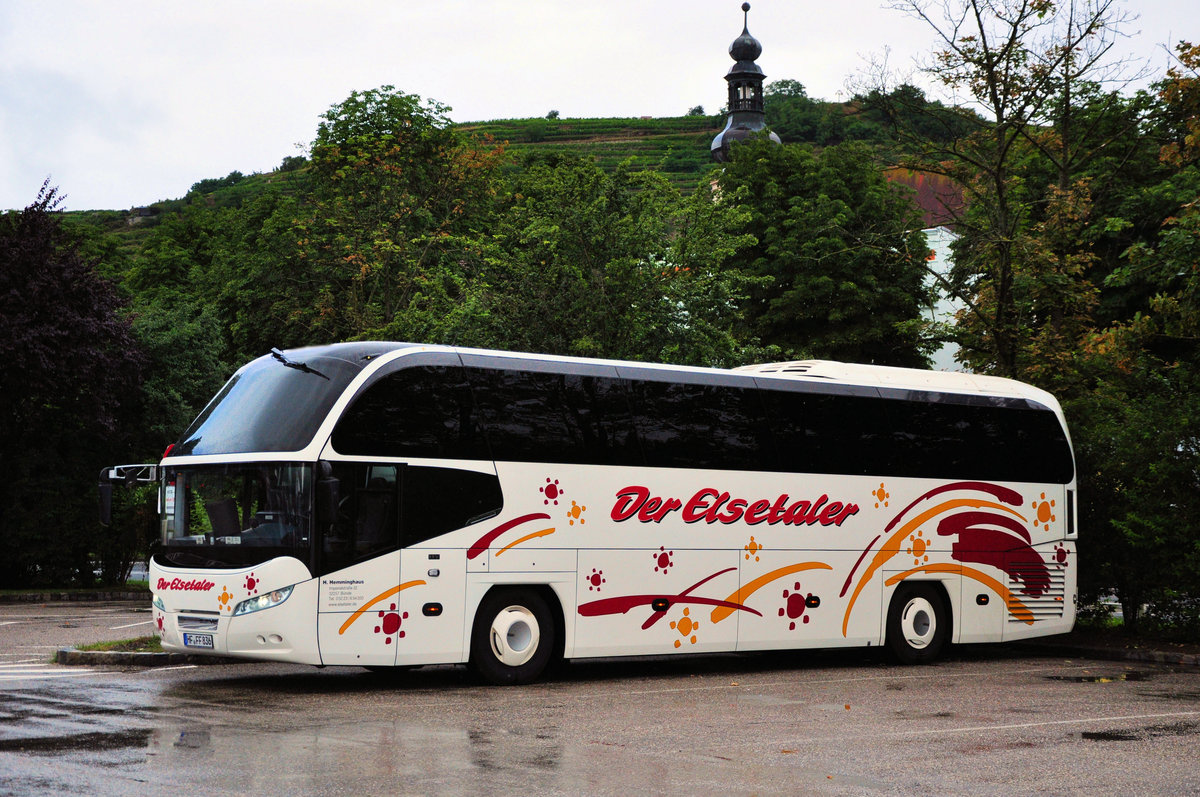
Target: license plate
<point>198,640</point>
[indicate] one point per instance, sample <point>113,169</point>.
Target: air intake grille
<point>1047,606</point>
<point>198,623</point>
<point>795,368</point>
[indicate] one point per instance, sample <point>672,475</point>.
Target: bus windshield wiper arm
<point>278,355</point>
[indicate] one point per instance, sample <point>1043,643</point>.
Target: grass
<point>142,644</point>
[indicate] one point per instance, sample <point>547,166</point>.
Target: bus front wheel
<point>918,623</point>
<point>513,638</point>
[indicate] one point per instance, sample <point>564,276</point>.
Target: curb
<point>57,597</point>
<point>72,656</point>
<point>1113,654</point>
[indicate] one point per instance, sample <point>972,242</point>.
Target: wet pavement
<point>33,630</point>
<point>986,721</point>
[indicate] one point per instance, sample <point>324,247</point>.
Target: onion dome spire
<point>745,79</point>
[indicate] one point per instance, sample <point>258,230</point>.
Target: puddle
<point>1191,696</point>
<point>91,742</point>
<point>918,714</point>
<point>1142,734</point>
<point>1106,678</point>
<point>994,748</point>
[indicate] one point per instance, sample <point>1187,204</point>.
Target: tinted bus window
<point>701,426</point>
<point>1007,441</point>
<point>367,523</point>
<point>939,440</point>
<point>423,411</point>
<point>818,433</point>
<point>930,438</point>
<point>541,416</point>
<point>437,500</point>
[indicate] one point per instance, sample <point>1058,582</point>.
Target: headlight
<point>158,604</point>
<point>264,601</point>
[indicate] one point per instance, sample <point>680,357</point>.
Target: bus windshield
<point>273,404</point>
<point>236,515</point>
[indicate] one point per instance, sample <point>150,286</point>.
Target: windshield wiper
<point>299,366</point>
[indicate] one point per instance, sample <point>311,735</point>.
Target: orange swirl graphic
<point>526,538</point>
<point>1015,607</point>
<point>381,596</point>
<point>739,597</point>
<point>892,546</point>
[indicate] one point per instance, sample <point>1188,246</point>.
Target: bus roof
<point>812,371</point>
<point>889,376</point>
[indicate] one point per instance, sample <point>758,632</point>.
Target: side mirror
<point>328,495</point>
<point>126,475</point>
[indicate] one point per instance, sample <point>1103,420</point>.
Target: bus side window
<point>525,417</point>
<point>438,500</point>
<point>368,518</point>
<point>423,411</point>
<point>684,425</point>
<point>540,416</point>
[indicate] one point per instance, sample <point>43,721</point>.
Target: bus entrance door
<point>360,610</point>
<point>358,621</point>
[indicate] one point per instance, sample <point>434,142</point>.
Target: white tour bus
<point>392,504</point>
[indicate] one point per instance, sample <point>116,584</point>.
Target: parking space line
<point>156,670</point>
<point>129,625</point>
<point>45,674</point>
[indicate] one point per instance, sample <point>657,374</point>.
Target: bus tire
<point>918,623</point>
<point>513,639</point>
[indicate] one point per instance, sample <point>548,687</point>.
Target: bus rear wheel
<point>513,638</point>
<point>918,623</point>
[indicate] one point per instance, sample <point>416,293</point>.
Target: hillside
<point>675,145</point>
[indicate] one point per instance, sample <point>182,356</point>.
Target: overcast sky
<point>123,104</point>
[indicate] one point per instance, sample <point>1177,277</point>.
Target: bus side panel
<point>1043,607</point>
<point>359,615</point>
<point>617,593</point>
<point>433,606</point>
<point>1043,588</point>
<point>980,614</point>
<point>790,599</point>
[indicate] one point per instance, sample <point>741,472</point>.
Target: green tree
<point>70,386</point>
<point>839,253</point>
<point>620,264</point>
<point>1024,64</point>
<point>399,200</point>
<point>796,118</point>
<point>904,112</point>
<point>182,319</point>
<point>1139,441</point>
<point>1139,435</point>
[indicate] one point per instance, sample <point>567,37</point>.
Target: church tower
<point>745,79</point>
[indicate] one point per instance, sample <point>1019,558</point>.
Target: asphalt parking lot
<point>986,721</point>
